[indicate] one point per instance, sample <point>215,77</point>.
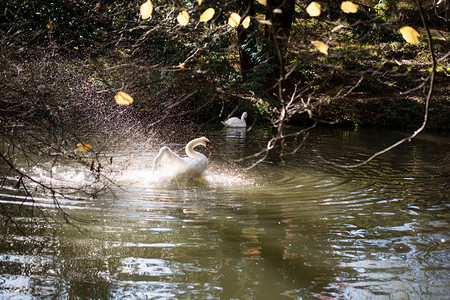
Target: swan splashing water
<point>169,166</point>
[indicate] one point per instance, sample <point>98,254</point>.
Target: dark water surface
<point>292,227</point>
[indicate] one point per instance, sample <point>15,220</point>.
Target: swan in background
<point>236,122</point>
<point>170,166</point>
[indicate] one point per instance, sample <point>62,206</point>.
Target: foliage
<point>351,37</point>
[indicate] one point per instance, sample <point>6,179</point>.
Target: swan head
<point>201,141</point>
<point>204,142</point>
<point>244,115</point>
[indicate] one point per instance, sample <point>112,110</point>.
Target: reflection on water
<point>289,228</point>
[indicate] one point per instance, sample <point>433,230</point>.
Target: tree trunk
<point>280,13</point>
<point>247,9</point>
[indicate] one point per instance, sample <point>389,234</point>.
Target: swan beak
<point>209,145</point>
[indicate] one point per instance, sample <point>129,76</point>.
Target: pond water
<point>291,227</point>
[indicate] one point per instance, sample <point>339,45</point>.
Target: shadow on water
<point>292,227</point>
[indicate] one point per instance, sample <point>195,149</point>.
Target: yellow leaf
<point>277,11</point>
<point>183,18</point>
<point>410,35</point>
<point>48,26</point>
<point>313,9</point>
<point>322,47</point>
<point>200,2</point>
<point>246,22</point>
<point>182,65</point>
<point>262,2</point>
<point>83,147</point>
<point>146,10</point>
<point>207,15</point>
<point>234,20</point>
<point>123,98</point>
<point>264,21</point>
<point>337,28</point>
<point>349,7</point>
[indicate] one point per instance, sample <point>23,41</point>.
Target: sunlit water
<point>292,227</point>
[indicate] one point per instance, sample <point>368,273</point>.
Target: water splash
<point>143,177</point>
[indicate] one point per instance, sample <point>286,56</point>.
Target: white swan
<point>170,166</point>
<point>236,122</point>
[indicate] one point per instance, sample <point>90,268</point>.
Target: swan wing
<point>193,169</point>
<point>167,161</point>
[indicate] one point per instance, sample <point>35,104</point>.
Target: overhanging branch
<point>427,100</point>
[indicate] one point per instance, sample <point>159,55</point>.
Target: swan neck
<point>190,152</point>
<point>243,118</point>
